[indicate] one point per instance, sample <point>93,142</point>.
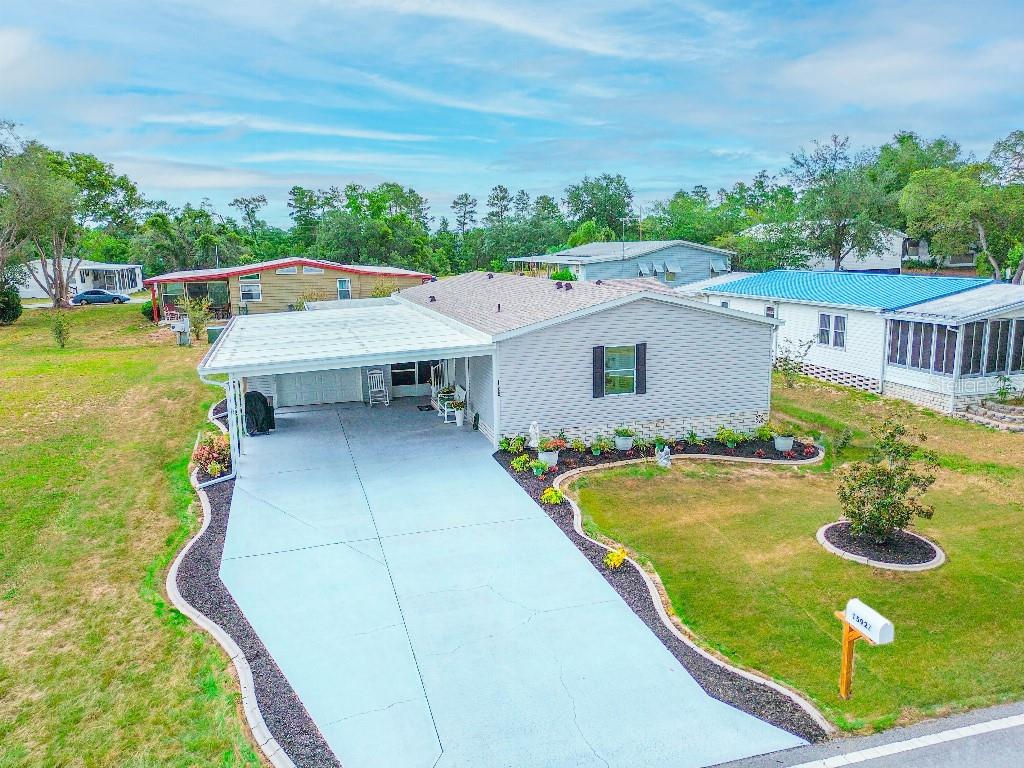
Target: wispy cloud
<point>380,161</point>
<point>269,125</point>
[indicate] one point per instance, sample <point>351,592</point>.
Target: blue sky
<point>217,99</point>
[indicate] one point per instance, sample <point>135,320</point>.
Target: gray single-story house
<point>583,358</point>
<point>672,262</point>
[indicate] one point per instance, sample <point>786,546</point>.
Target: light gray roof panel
<point>984,301</point>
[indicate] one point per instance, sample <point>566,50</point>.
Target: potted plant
<point>624,439</point>
<point>548,448</point>
<point>783,443</point>
<point>660,442</point>
<point>539,467</point>
<point>460,411</point>
<point>599,445</point>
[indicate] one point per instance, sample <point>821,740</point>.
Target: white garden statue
<point>534,435</point>
<point>664,457</point>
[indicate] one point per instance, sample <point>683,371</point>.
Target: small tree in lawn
<point>883,494</point>
<point>789,359</point>
<point>198,313</point>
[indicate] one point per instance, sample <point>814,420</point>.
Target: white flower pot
<point>460,417</point>
<point>548,457</point>
<point>623,443</point>
<point>783,444</point>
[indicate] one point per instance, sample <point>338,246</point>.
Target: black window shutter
<point>641,368</point>
<point>598,371</point>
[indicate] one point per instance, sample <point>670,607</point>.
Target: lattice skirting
<point>845,378</point>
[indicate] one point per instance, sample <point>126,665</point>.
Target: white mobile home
<point>943,342</point>
<point>86,275</point>
<point>583,358</point>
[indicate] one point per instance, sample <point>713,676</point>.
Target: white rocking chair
<point>378,390</point>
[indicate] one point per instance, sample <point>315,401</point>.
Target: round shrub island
<point>901,551</point>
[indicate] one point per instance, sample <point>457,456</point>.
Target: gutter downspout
<point>228,387</point>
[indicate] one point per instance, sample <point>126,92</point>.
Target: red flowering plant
<point>810,450</point>
<point>552,444</point>
<point>790,455</point>
<point>760,453</point>
<point>212,449</point>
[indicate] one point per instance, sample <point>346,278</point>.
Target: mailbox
<point>869,622</point>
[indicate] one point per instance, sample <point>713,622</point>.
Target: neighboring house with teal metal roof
<point>673,262</point>
<point>942,342</point>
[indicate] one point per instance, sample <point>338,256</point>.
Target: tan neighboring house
<point>275,286</point>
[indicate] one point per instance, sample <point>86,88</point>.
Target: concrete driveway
<point>427,612</point>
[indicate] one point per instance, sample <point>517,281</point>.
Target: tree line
<point>57,208</point>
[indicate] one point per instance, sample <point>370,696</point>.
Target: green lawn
<point>735,548</point>
<point>97,669</point>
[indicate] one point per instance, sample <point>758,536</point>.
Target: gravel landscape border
<point>935,562</point>
<point>195,589</point>
<point>644,593</point>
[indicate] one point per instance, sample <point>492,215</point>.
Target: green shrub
<point>765,432</point>
<point>642,443</point>
<point>198,313</point>
<point>692,438</point>
<point>578,445</point>
<point>883,494</point>
<point>538,466</point>
<point>61,329</point>
<point>552,496</point>
<point>212,448</point>
<point>564,274</point>
<point>600,445</point>
<point>146,308</point>
<point>624,432</point>
<point>520,463</point>
<point>214,469</point>
<point>10,304</point>
<point>730,437</point>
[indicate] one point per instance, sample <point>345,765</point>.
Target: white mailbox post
<point>860,621</point>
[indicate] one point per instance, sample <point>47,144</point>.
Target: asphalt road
<point>992,738</point>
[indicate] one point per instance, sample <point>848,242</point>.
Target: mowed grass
<point>735,548</point>
<point>97,669</point>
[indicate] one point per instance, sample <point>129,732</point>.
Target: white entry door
<point>316,387</point>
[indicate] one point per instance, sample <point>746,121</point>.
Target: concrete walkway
<point>427,612</point>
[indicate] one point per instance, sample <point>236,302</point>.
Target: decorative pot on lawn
<point>624,443</point>
<point>783,444</point>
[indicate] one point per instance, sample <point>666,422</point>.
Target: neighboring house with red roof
<point>276,286</point>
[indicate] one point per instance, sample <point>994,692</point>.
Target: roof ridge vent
<point>432,299</point>
<point>558,285</point>
<point>490,275</point>
<point>599,282</point>
<point>568,286</point>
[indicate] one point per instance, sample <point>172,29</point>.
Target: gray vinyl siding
<point>694,264</point>
<point>703,370</point>
<point>481,390</point>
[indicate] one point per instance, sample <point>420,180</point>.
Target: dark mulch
<point>200,584</point>
<point>752,449</point>
<point>726,686</point>
<point>900,549</point>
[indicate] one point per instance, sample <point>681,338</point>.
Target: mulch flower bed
<point>901,548</point>
<point>749,696</point>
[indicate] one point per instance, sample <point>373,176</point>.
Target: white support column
<point>236,419</point>
<point>958,356</point>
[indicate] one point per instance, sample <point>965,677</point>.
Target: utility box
<point>212,332</point>
<point>182,328</point>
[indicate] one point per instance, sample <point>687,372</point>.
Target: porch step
<point>988,422</point>
<point>1011,410</point>
<point>987,411</point>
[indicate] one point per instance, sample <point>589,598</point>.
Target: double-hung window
<point>250,288</point>
<point>344,288</point>
<point>769,311</point>
<point>620,370</point>
<point>832,330</point>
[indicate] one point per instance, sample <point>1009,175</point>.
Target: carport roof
<point>357,335</point>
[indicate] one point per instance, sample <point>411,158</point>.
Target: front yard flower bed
<point>571,458</point>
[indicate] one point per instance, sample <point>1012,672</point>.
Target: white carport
<point>320,356</point>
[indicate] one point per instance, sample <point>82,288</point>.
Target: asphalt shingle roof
<point>853,289</point>
<point>474,298</point>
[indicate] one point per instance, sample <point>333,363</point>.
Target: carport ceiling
<point>293,342</point>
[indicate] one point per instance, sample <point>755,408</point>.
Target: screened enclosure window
<point>974,349</point>
<point>172,291</point>
<point>998,347</point>
<point>945,349</point>
<point>344,288</point>
<point>403,374</point>
<point>1017,348</point>
<point>619,370</point>
<point>423,370</point>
